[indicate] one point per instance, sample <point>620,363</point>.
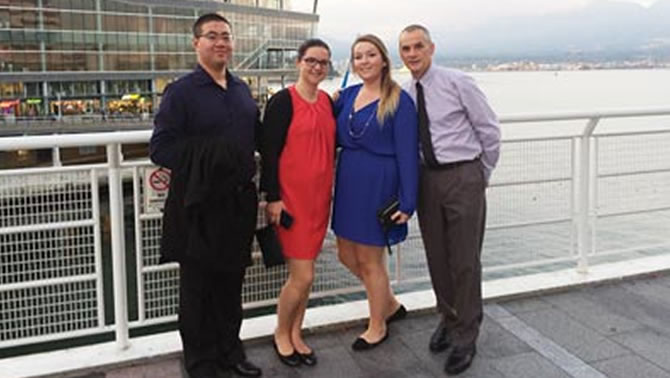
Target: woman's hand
<point>335,95</point>
<point>273,211</point>
<point>399,217</point>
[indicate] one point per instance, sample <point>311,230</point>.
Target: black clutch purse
<point>384,217</point>
<point>270,246</point>
<point>385,212</point>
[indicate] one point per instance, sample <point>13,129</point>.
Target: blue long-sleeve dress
<point>375,165</point>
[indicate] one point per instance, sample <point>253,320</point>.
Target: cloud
<point>344,19</point>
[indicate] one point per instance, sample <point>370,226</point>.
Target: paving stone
<point>90,375</point>
<point>164,369</point>
<point>630,366</point>
<point>392,359</point>
<point>576,338</point>
<point>633,305</point>
<point>333,337</point>
<point>495,342</point>
<point>417,342</point>
<point>417,323</point>
<point>663,279</point>
<point>648,344</point>
<point>580,307</point>
<point>335,362</point>
<point>519,306</point>
<point>530,365</point>
<point>650,289</point>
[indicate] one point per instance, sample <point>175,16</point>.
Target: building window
<point>69,4</point>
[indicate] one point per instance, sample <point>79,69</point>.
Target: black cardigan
<point>276,121</point>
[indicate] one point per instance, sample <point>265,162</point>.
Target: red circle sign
<point>159,180</point>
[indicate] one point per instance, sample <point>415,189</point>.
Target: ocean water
<point>564,91</point>
<point>542,92</point>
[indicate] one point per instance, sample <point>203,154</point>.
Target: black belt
<point>450,165</point>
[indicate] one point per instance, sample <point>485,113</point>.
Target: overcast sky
<point>344,19</point>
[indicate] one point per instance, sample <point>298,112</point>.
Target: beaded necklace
<point>358,135</point>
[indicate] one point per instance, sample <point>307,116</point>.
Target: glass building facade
<point>109,57</point>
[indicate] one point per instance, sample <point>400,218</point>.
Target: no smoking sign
<point>157,183</point>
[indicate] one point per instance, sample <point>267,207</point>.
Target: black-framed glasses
<point>313,62</point>
<point>214,36</point>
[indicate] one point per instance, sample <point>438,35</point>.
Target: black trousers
<point>210,316</point>
<point>452,215</point>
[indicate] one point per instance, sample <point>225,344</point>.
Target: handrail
<point>74,140</point>
<point>142,136</point>
<point>571,116</point>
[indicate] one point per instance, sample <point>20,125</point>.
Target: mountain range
<point>604,29</point>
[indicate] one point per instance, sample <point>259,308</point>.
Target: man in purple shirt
<point>460,144</point>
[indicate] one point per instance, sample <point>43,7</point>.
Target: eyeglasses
<point>313,62</point>
<point>213,37</point>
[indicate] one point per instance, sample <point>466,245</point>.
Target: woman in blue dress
<point>378,162</point>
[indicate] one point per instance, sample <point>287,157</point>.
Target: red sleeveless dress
<point>306,168</point>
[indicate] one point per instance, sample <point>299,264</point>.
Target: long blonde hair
<point>389,95</point>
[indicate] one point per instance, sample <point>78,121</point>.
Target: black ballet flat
<point>308,359</point>
<point>400,313</point>
<point>291,360</point>
<point>361,344</point>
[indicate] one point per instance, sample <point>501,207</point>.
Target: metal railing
<point>563,197</point>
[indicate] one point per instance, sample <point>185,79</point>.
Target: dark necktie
<point>424,129</point>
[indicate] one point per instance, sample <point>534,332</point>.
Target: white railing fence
<point>79,244</point>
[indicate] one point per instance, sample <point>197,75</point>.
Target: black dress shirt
<point>196,106</point>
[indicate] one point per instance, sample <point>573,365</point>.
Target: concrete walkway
<point>619,329</point>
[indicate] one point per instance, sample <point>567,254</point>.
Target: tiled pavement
<point>619,329</point>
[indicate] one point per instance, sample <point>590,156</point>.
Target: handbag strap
<point>387,230</point>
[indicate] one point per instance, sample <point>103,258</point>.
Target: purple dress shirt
<point>462,124</point>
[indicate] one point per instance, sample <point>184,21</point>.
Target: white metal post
<point>593,194</point>
<point>55,157</point>
<point>138,243</point>
<point>118,250</point>
<point>584,229</point>
<point>574,197</point>
<point>95,212</point>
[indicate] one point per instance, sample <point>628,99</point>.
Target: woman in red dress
<point>298,150</point>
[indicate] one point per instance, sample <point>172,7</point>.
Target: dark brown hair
<point>312,42</point>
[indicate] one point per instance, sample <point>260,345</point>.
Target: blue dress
<point>375,165</point>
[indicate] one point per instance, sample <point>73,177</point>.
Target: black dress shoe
<point>291,360</point>
<point>308,359</point>
<point>361,344</point>
<point>460,359</point>
<point>439,340</point>
<point>247,369</point>
<point>400,313</point>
